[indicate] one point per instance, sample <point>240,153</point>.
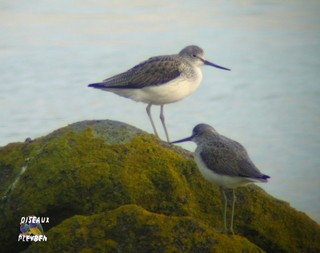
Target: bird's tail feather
<point>264,178</point>
<point>97,85</point>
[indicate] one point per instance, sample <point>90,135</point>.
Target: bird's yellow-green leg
<point>225,210</point>
<point>232,212</point>
<point>164,123</point>
<point>151,120</point>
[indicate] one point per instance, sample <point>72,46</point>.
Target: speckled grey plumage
<point>227,157</point>
<point>154,71</point>
<point>222,155</point>
<point>160,80</point>
<point>224,162</point>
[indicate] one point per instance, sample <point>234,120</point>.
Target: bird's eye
<point>194,56</point>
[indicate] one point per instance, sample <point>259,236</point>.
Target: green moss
<point>131,228</point>
<point>12,158</point>
<point>272,224</point>
<point>80,171</point>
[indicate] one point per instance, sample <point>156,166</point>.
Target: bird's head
<point>195,55</point>
<point>199,134</point>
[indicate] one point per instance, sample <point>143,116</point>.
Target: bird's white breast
<point>170,92</point>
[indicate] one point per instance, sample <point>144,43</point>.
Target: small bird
<point>223,162</point>
<point>160,80</point>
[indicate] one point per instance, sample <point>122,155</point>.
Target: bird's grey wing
<point>220,160</point>
<point>246,167</point>
<point>237,148</point>
<point>155,71</point>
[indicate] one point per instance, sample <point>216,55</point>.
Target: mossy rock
<point>90,174</point>
<point>130,228</point>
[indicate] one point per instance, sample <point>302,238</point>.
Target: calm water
<point>269,102</point>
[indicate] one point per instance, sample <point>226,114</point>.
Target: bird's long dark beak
<point>182,140</point>
<point>213,65</point>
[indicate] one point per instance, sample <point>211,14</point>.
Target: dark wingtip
<point>96,85</point>
<point>265,177</point>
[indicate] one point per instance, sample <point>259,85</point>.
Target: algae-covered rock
<point>109,187</point>
<point>130,228</point>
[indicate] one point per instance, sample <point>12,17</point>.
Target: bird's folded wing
<point>221,161</point>
<point>152,72</point>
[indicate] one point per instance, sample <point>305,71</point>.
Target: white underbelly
<point>162,94</point>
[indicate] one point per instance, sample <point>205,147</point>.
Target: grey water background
<point>269,102</point>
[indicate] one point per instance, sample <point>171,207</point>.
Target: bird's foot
<point>222,230</point>
<point>225,231</point>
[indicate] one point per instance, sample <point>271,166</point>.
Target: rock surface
<point>109,187</point>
